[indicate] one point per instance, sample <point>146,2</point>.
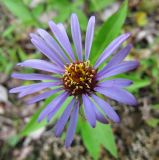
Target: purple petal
<point>59,127</point>
<point>33,76</point>
<point>111,48</point>
<point>41,65</point>
<point>106,108</point>
<point>117,69</point>
<point>88,110</point>
<point>62,38</point>
<point>53,112</point>
<point>89,37</point>
<point>53,106</point>
<point>43,96</point>
<point>76,35</point>
<point>99,116</point>
<point>72,126</point>
<point>118,58</point>
<point>43,47</point>
<point>40,46</point>
<point>119,82</point>
<point>52,44</point>
<point>62,29</point>
<point>118,94</point>
<point>35,86</point>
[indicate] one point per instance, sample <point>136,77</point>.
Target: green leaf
<point>90,139</point>
<point>108,31</point>
<point>153,122</point>
<point>140,83</point>
<point>8,68</point>
<point>13,140</point>
<point>63,17</point>
<point>107,138</point>
<point>96,5</point>
<point>93,138</point>
<point>8,31</point>
<point>38,10</point>
<point>65,12</point>
<point>19,9</point>
<point>22,55</point>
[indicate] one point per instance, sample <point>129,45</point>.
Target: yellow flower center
<point>79,78</point>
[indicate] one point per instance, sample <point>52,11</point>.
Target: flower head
<point>73,75</point>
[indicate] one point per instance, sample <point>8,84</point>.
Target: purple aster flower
<point>73,75</point>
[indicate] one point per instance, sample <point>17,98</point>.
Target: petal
<point>117,58</point>
<point>53,106</point>
<point>118,82</point>
<point>76,35</point>
<point>118,94</point>
<point>41,65</point>
<point>53,112</point>
<point>33,76</point>
<point>62,38</point>
<point>43,96</point>
<point>72,126</point>
<point>88,110</point>
<point>106,108</point>
<point>37,87</point>
<point>44,48</point>
<point>99,116</point>
<point>89,36</point>
<point>117,69</point>
<point>111,48</point>
<point>59,127</point>
<point>52,44</point>
<point>34,87</point>
<point>62,28</point>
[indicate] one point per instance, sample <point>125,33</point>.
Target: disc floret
<point>79,78</point>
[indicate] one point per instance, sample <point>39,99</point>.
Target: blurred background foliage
<point>18,18</point>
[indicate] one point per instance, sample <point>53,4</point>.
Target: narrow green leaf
<point>96,5</point>
<point>13,140</point>
<point>22,55</point>
<point>8,68</point>
<point>38,10</point>
<point>62,17</point>
<point>18,8</point>
<point>108,31</point>
<point>8,31</point>
<point>138,84</point>
<point>137,81</point>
